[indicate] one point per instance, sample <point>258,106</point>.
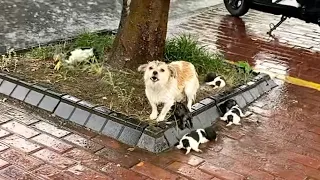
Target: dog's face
<point>157,72</point>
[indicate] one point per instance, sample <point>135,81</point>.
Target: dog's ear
<point>142,67</point>
<point>172,71</point>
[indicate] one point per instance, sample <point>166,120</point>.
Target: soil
<point>124,93</point>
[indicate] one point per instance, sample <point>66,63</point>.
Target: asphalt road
<point>25,23</point>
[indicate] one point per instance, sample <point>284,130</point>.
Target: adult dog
<point>168,83</point>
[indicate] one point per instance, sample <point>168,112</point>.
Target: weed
<point>100,43</point>
<point>186,47</point>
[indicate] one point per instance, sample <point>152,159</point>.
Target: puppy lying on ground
<point>193,139</point>
<point>169,83</point>
<point>233,114</point>
<point>215,81</point>
<point>80,55</point>
<point>183,116</point>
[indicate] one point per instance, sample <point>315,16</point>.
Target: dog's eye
<point>162,70</point>
<point>150,68</point>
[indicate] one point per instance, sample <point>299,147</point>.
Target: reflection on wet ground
<point>29,22</point>
<point>293,52</point>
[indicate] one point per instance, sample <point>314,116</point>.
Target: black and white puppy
<point>193,139</point>
<point>183,115</point>
<point>233,114</point>
<point>215,81</point>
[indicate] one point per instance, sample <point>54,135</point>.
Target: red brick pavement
<point>280,141</point>
<point>294,52</point>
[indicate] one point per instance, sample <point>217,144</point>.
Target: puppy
<point>169,83</point>
<point>234,114</point>
<point>227,105</point>
<point>80,55</point>
<point>193,139</point>
<point>183,115</point>
<point>215,81</point>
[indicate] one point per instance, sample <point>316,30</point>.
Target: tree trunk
<point>142,35</point>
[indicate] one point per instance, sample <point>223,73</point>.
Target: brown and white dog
<point>169,83</point>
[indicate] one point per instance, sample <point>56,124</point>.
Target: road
<point>24,23</point>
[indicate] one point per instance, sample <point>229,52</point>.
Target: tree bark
<point>142,34</point>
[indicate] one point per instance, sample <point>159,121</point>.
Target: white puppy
<point>169,83</point>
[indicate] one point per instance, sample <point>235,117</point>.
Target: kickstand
<point>274,27</point>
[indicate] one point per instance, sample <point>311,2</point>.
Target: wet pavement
<point>281,140</point>
<point>29,22</point>
<point>294,52</point>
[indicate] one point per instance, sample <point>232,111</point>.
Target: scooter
<point>306,10</point>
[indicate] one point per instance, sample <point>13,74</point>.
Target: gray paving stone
<point>70,98</point>
<point>96,122</point>
<point>196,123</point>
<point>207,117</point>
<point>7,87</point>
<point>64,110</point>
<point>272,84</point>
<point>20,93</point>
<point>266,86</point>
<point>130,136</point>
<point>48,103</point>
<point>247,96</point>
<point>260,89</point>
<point>161,144</point>
<point>33,98</point>
<point>206,101</point>
<point>112,129</point>
<point>254,92</point>
<point>79,116</point>
<point>171,136</point>
<point>197,106</point>
<point>240,100</point>
<point>147,142</point>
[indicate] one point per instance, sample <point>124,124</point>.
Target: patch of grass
<point>120,90</point>
<point>101,43</point>
<point>186,47</point>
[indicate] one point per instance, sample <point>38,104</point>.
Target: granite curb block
<point>123,128</point>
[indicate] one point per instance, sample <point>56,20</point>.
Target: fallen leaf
<point>140,164</point>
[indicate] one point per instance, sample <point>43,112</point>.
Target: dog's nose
<point>155,72</point>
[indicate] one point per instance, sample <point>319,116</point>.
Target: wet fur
<point>182,114</point>
<point>193,139</point>
<point>232,113</point>
<point>168,83</point>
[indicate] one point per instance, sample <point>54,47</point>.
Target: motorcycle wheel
<point>237,7</point>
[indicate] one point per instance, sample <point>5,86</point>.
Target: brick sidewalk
<point>280,141</point>
<point>283,144</point>
<point>294,52</point>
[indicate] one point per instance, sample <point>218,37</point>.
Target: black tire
<point>235,9</point>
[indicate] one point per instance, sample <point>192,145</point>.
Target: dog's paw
<point>160,118</point>
<point>153,116</point>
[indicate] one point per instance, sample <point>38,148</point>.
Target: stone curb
<point>123,128</point>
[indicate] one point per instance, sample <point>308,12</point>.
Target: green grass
<point>186,47</point>
<point>101,43</point>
